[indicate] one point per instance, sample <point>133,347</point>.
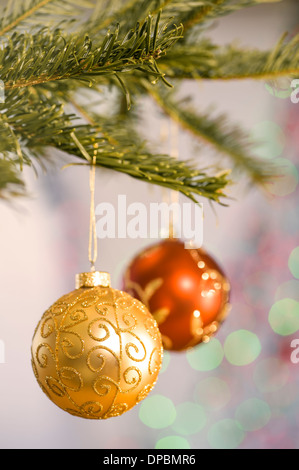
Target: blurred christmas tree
<point>51,50</point>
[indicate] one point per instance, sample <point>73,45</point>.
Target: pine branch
<point>160,170</point>
<point>198,12</point>
<point>187,61</point>
<point>129,13</point>
<point>30,12</point>
<point>10,20</point>
<point>40,123</point>
<point>41,70</point>
<point>235,63</point>
<point>219,8</point>
<point>187,13</point>
<point>217,132</point>
<point>209,61</point>
<point>29,60</point>
<point>10,182</point>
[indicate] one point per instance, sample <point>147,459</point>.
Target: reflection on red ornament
<point>184,289</point>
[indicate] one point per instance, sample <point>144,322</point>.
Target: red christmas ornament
<point>184,289</point>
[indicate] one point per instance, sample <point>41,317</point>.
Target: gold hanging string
<point>92,246</point>
<point>169,134</point>
<point>164,139</point>
<point>174,152</point>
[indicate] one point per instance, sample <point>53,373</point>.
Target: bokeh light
<point>284,317</point>
<point>270,375</point>
<point>294,262</point>
<point>190,418</point>
<point>242,347</point>
<point>286,180</point>
<point>284,398</point>
<point>253,414</point>
<point>206,357</point>
<point>281,88</point>
<point>157,412</point>
<point>212,393</point>
<point>166,361</point>
<point>225,434</point>
<point>268,138</point>
<point>288,289</point>
<point>172,442</point>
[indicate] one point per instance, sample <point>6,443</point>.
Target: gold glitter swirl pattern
<point>116,410</point>
<point>98,331</point>
<point>155,360</point>
<point>97,352</point>
<point>101,387</point>
<point>70,378</point>
<point>55,386</point>
<point>151,327</point>
<point>92,407</point>
<point>74,318</point>
<point>132,376</point>
<point>47,327</point>
<point>136,352</point>
<point>72,344</point>
<point>143,394</point>
<point>42,358</point>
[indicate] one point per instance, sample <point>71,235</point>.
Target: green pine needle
<point>52,51</point>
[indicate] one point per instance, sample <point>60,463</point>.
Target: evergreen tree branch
<point>21,13</point>
<point>125,152</point>
<point>160,170</point>
<point>217,132</point>
<point>29,60</point>
<point>188,13</point>
<point>41,69</point>
<point>199,12</point>
<point>119,146</point>
<point>236,63</point>
<point>190,61</point>
<point>217,8</point>
<point>129,13</point>
<point>209,61</point>
<point>13,20</point>
<point>10,182</point>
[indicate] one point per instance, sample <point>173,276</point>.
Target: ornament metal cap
<point>93,279</point>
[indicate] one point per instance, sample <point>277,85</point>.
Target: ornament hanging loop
<point>169,134</point>
<point>174,195</point>
<point>92,246</point>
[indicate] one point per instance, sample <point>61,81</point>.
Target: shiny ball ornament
<point>184,289</point>
<point>97,351</point>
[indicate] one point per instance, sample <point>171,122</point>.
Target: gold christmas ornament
<point>96,352</point>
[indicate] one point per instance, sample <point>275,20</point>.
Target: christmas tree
<point>53,50</point>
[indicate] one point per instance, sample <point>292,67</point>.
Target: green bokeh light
<point>279,93</point>
<point>157,412</point>
<point>281,88</point>
<point>284,398</point>
<point>166,361</point>
<point>172,442</point>
<point>284,317</point>
<point>294,262</point>
<point>242,347</point>
<point>212,393</point>
<point>253,414</point>
<point>206,357</point>
<point>225,434</point>
<point>285,182</point>
<point>288,289</point>
<point>268,139</point>
<point>190,418</point>
<point>270,375</point>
